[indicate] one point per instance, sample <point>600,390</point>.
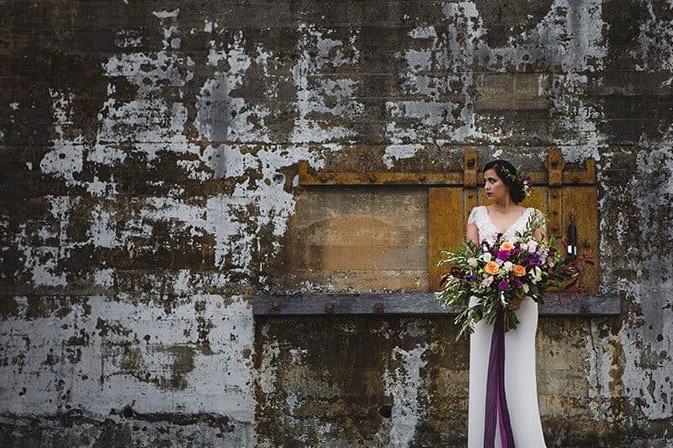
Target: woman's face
<point>494,188</point>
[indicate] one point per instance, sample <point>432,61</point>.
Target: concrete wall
<point>148,184</point>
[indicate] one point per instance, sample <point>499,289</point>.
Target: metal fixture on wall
<point>559,193</point>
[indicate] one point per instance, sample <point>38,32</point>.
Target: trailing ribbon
<point>496,400</point>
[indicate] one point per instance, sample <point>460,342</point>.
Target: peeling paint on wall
<point>119,356</point>
<point>648,334</point>
<point>150,173</point>
<point>403,384</point>
<point>321,99</point>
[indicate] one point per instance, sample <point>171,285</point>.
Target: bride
<point>510,419</point>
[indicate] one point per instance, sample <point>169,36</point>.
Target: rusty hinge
<point>470,168</point>
<point>555,165</point>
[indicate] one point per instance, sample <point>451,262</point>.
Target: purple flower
<point>503,255</point>
<point>535,261</point>
<point>503,285</point>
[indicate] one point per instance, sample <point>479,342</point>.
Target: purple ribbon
<point>496,400</point>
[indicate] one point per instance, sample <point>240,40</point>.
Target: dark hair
<point>508,174</point>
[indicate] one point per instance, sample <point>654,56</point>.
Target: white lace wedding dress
<point>520,379</point>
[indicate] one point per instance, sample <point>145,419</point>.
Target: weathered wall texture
<point>148,161</point>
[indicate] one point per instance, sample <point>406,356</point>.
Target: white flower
<point>487,282</point>
<point>486,256</point>
<point>536,274</point>
<point>472,262</point>
<point>507,266</point>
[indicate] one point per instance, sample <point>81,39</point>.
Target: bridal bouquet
<point>501,275</point>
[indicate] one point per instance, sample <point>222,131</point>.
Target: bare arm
<point>472,233</point>
<point>540,234</point>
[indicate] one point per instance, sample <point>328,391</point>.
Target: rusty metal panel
<point>356,238</point>
<point>537,199</point>
<point>310,177</point>
<point>557,192</point>
<point>554,211</point>
<point>470,168</point>
<point>555,164</point>
<point>446,227</point>
<point>555,175</point>
<point>583,203</point>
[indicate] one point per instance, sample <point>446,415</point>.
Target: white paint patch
<point>659,160</point>
<point>104,278</point>
<point>399,152</point>
<point>648,362</point>
<point>102,379</point>
<point>229,216</point>
<point>167,209</point>
<point>655,39</point>
<point>42,260</point>
<point>451,54</point>
<point>648,337</point>
<point>228,161</point>
<point>128,39</point>
<point>102,228</point>
<point>266,373</point>
<point>603,363</point>
<point>150,73</point>
<point>234,241</point>
<point>578,118</point>
<point>423,32</point>
<point>222,116</point>
<point>329,96</point>
<point>275,204</point>
<point>43,263</point>
<point>427,113</point>
<point>209,26</point>
<point>167,14</point>
<point>66,160</point>
<point>403,385</point>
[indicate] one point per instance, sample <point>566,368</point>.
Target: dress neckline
<point>488,215</point>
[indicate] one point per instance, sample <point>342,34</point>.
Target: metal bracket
<point>554,175</point>
<point>446,205</point>
<point>555,165</point>
<point>414,304</point>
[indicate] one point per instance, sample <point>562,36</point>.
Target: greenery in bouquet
<point>501,275</point>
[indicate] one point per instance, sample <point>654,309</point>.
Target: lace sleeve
<point>472,217</point>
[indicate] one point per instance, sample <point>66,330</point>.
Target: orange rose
<point>491,268</point>
<point>507,245</point>
<point>518,270</point>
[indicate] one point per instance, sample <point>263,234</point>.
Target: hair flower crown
<point>518,177</point>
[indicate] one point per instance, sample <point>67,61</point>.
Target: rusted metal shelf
<point>414,304</point>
